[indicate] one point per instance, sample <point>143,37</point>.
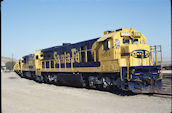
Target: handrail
<point>128,66</point>
<point>157,49</point>
<point>121,74</point>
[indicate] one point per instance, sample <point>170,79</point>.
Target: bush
<point>9,65</point>
<point>2,67</point>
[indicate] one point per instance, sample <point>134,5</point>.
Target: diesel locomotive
<point>120,59</point>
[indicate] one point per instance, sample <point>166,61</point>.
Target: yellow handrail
<point>121,74</point>
<point>128,65</point>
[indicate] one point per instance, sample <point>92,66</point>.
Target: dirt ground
<point>20,95</point>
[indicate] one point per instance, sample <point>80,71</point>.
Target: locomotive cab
<point>134,49</point>
<point>127,46</point>
<point>137,62</point>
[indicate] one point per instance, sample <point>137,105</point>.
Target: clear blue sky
<point>30,25</point>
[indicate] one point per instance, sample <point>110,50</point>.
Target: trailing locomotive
<point>119,59</point>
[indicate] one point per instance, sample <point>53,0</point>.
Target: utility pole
<point>0,11</point>
<point>0,4</point>
<point>12,62</point>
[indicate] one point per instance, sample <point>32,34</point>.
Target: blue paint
<point>148,78</point>
<point>48,53</point>
<point>139,53</point>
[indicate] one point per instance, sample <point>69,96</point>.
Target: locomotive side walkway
<point>20,95</point>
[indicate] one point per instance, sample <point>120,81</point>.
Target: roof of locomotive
<point>69,45</point>
<point>28,56</point>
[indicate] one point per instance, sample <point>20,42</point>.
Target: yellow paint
<point>21,65</point>
<point>16,67</point>
<point>138,80</point>
<point>38,63</point>
<point>117,55</point>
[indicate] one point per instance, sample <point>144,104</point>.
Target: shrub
<point>9,65</point>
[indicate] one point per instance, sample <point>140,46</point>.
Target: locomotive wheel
<point>45,79</point>
<point>99,86</point>
<point>84,83</point>
<point>57,82</point>
<point>48,79</point>
<point>34,78</point>
<point>40,79</point>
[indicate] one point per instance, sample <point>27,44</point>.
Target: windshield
<point>135,41</point>
<point>127,41</point>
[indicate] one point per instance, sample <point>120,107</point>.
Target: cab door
<point>125,53</point>
<point>106,55</point>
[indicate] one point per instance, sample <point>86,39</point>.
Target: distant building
<point>3,67</point>
<point>167,65</point>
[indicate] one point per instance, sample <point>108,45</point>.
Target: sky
<point>30,25</point>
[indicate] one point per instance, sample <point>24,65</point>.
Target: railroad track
<point>166,86</point>
<point>162,95</point>
<point>165,92</point>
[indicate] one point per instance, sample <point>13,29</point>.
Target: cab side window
<point>117,44</point>
<point>106,45</point>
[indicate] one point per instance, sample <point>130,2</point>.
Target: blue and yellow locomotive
<point>119,59</point>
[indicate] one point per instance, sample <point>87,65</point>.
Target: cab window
<point>117,43</point>
<point>106,44</point>
<point>135,41</point>
<point>126,41</point>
